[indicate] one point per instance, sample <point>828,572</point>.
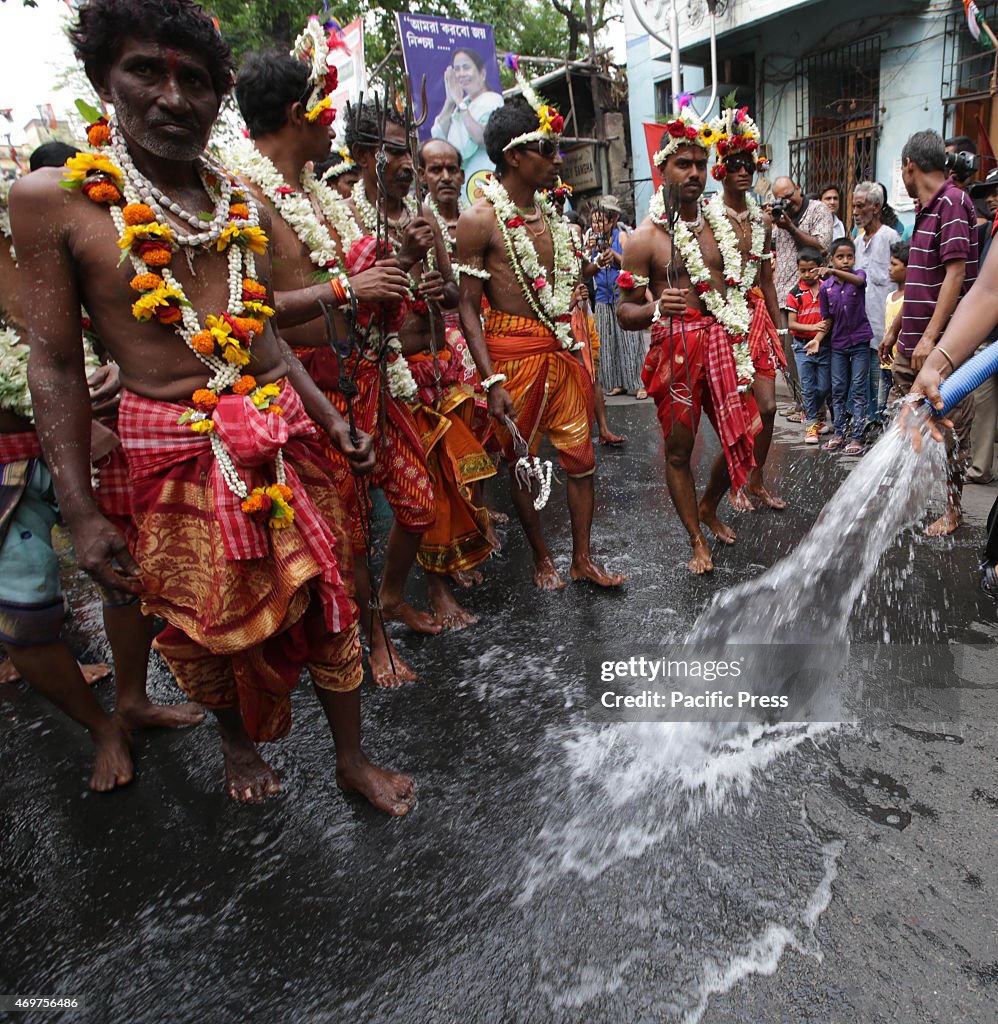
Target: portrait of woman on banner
<point>466,110</point>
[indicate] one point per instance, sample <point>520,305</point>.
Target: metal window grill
<point>838,115</point>
<point>970,72</point>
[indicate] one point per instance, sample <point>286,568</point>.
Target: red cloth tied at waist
<point>764,343</point>
<point>20,446</point>
<point>154,443</point>
<point>698,348</point>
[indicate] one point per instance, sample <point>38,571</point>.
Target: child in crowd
<point>897,273</point>
<point>807,329</point>
<point>843,301</point>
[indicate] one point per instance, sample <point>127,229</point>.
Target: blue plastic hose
<point>969,377</point>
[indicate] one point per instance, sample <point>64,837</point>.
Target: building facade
<point>837,88</point>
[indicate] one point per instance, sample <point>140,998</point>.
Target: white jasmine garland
<point>367,215</point>
<point>14,394</point>
<point>401,383</point>
<point>548,299</point>
<point>732,316</point>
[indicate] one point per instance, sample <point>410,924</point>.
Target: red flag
<point>654,136</point>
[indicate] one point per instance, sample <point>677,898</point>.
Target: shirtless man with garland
<point>692,365</point>
<point>231,502</point>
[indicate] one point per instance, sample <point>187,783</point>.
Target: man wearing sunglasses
<point>508,246</point>
<point>737,218</point>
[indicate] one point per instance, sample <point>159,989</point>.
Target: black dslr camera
<point>780,207</point>
<point>961,165</point>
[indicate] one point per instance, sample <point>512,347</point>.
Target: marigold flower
<point>262,395</point>
<point>260,308</point>
<point>101,190</point>
<point>138,213</point>
<point>275,409</point>
<point>253,505</point>
<point>244,326</point>
<point>238,211</point>
<point>203,342</point>
<point>253,289</point>
<point>244,385</point>
<point>204,399</point>
<point>202,426</point>
<point>169,315</point>
<point>98,133</point>
<point>146,282</point>
<point>155,255</point>
<point>282,491</point>
<point>254,239</point>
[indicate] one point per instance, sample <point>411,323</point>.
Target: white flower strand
<point>548,300</point>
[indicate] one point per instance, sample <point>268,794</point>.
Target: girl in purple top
<point>843,301</point>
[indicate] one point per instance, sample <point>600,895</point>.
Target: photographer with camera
<point>800,223</point>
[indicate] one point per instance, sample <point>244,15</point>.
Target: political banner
<point>352,80</point>
<point>458,59</point>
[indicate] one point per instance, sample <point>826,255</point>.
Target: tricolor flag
<point>976,23</point>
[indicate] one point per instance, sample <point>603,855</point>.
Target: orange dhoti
<point>690,368</point>
<point>400,470</point>
<point>248,607</point>
<point>551,389</point>
<point>764,343</point>
<point>459,537</point>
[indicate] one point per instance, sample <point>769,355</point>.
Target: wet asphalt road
<point>553,870</point>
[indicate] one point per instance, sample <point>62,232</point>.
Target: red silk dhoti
<point>248,607</point>
<point>692,368</point>
<point>400,470</point>
<point>764,343</point>
<point>551,389</point>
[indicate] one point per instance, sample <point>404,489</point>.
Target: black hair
<point>51,154</point>
<point>457,152</point>
<point>102,26</point>
<point>900,251</point>
<point>926,151</point>
<point>363,129</point>
<point>838,243</point>
<point>888,215</point>
<point>831,188</point>
<point>574,218</point>
<point>473,55</point>
<point>810,254</point>
<point>962,144</point>
<point>267,84</point>
<point>515,117</point>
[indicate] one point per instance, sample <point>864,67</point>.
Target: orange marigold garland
<point>223,343</point>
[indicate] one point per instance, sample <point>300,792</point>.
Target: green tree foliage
<point>524,26</point>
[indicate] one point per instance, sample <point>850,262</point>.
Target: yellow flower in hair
<point>545,117</point>
<point>707,134</point>
<point>79,166</point>
<point>254,239</point>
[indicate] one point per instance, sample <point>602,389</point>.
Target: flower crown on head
<point>734,133</point>
<point>561,191</point>
<point>550,123</point>
<point>314,46</point>
<point>685,129</point>
<point>346,163</point>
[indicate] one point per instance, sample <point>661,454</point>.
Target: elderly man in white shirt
<point>873,254</point>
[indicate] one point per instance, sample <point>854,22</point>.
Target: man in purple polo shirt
<point>942,267</point>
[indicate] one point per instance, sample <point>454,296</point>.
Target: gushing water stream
<point>703,822</point>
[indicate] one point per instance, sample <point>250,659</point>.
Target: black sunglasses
<point>546,148</point>
<point>740,163</point>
